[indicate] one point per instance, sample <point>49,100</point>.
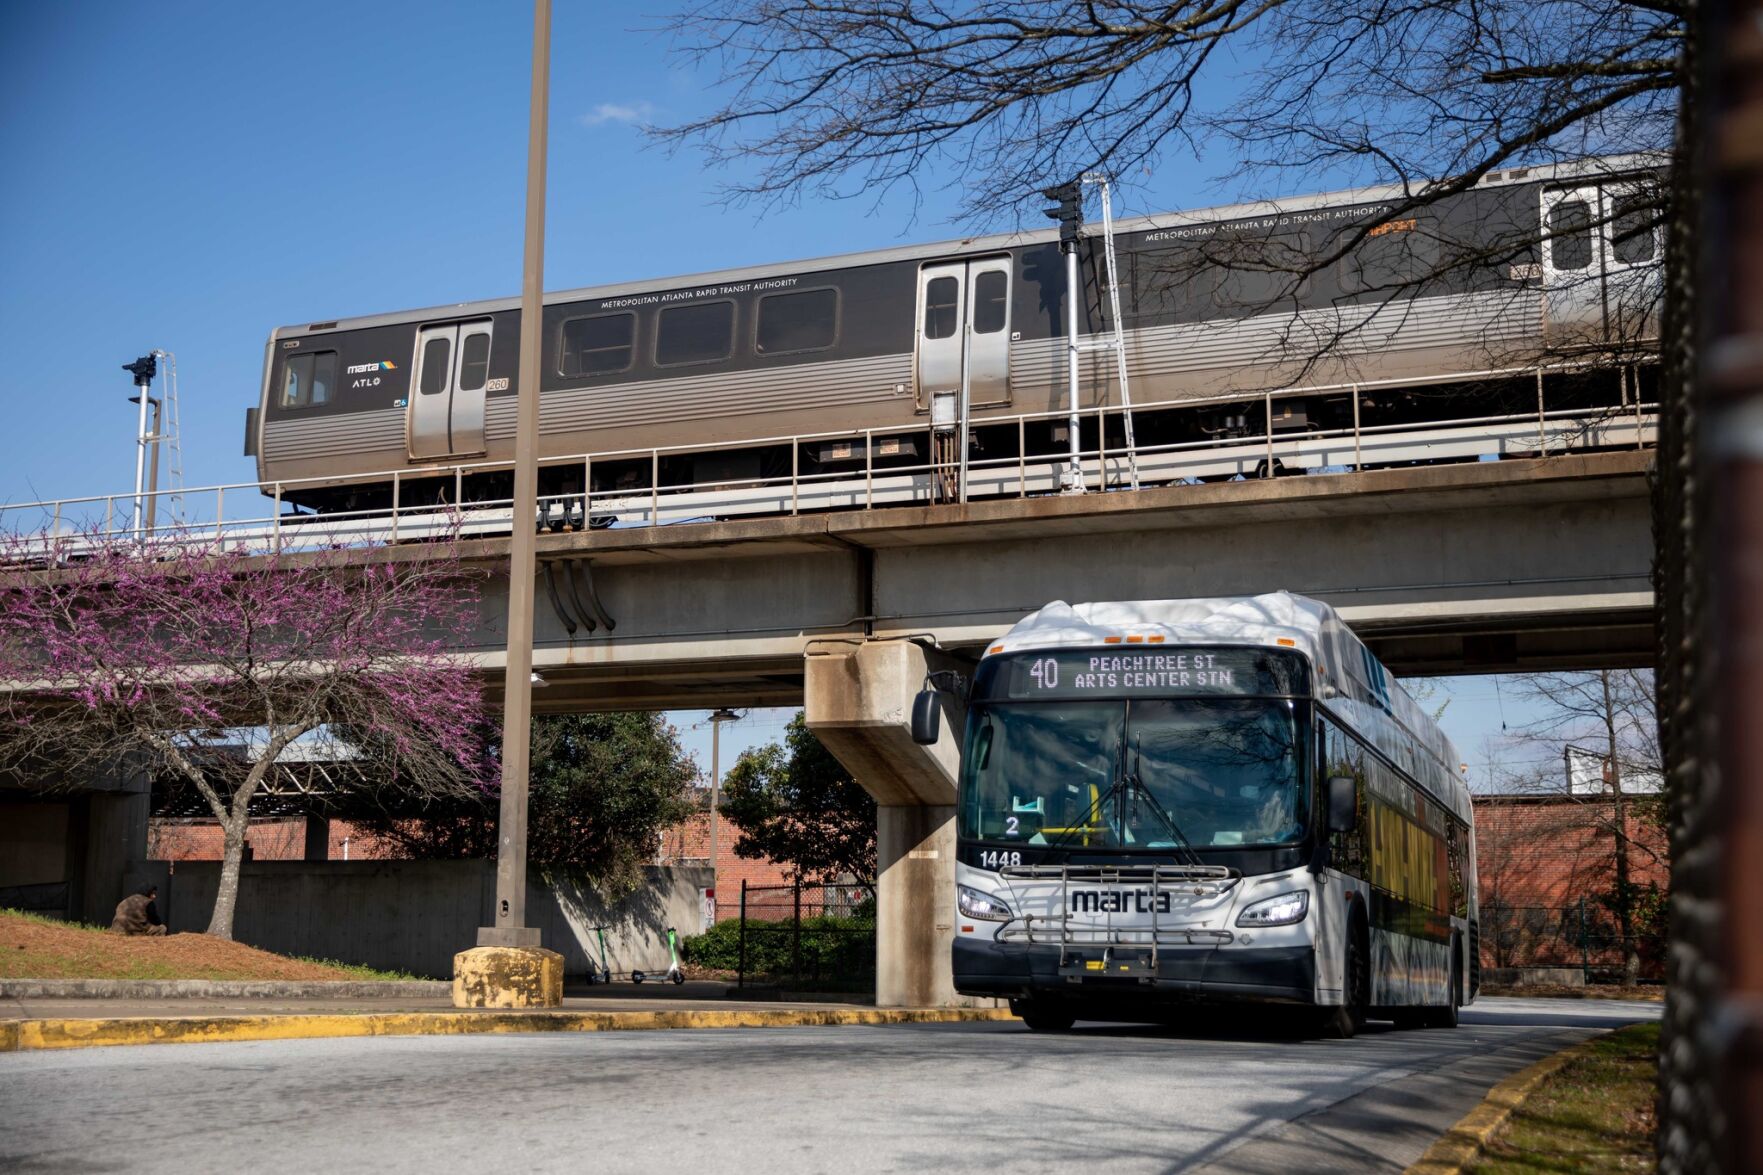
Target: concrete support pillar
<point>915,905</point>
<point>318,839</point>
<point>859,704</point>
<point>116,839</point>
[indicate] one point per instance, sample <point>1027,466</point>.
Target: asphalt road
<point>989,1097</point>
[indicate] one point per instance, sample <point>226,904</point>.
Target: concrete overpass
<point>1507,565</point>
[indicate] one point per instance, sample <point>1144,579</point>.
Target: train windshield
<point>1140,773</point>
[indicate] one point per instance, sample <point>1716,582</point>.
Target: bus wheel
<point>1345,1021</point>
<point>1447,1016</point>
<point>1042,1016</point>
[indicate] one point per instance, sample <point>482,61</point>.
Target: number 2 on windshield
<point>1045,671</point>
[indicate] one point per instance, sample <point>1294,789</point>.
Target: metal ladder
<point>1116,340</point>
<point>171,437</point>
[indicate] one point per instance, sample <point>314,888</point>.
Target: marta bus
<point>1207,801</point>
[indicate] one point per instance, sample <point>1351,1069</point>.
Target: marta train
<point>1232,327</point>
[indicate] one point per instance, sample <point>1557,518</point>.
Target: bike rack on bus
<point>1058,930</point>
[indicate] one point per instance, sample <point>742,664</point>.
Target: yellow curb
<point>20,1035</point>
<point>1463,1143</point>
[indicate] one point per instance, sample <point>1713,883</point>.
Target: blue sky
<point>190,175</point>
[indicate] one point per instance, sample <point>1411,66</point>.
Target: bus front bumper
<point>1287,974</point>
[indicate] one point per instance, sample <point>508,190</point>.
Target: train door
<point>1573,287</point>
<point>963,335</point>
<point>1601,275</point>
<point>1633,276</point>
<point>446,415</point>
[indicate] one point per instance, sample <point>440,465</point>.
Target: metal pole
<point>140,456</point>
<point>153,466</point>
<point>741,964</point>
<point>1073,481</point>
<point>966,382</point>
<point>517,688</point>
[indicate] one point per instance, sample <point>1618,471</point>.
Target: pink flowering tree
<point>203,663</point>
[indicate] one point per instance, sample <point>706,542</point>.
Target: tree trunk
<point>1631,956</point>
<point>226,897</point>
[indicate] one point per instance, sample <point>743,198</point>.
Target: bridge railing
<point>259,515</point>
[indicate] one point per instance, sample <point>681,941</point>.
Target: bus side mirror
<point>1343,804</point>
<point>927,717</point>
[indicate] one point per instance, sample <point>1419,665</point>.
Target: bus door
<point>963,334</point>
<point>446,415</point>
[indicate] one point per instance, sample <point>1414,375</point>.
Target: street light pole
<point>511,929</point>
<point>717,718</point>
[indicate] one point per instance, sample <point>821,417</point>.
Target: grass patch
<point>35,947</point>
<point>362,971</point>
<point>1596,1114</point>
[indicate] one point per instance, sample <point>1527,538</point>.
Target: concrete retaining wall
<point>414,916</point>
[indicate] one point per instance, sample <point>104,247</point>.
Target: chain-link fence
<point>1583,936</point>
<point>808,937</point>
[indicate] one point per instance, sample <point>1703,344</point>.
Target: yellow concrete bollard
<point>507,977</point>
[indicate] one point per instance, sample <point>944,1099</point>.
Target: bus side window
<point>1336,754</point>
<point>1456,841</point>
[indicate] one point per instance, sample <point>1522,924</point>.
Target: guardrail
<point>265,523</point>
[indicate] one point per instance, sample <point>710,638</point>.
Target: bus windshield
<point>1143,774</point>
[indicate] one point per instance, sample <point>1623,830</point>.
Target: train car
<point>1415,321</point>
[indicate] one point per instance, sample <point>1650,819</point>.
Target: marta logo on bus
<point>1117,901</point>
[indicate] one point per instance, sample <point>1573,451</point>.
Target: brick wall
<point>269,840</point>
<point>689,843</point>
<point>1538,858</point>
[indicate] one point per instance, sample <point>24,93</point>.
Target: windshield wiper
<point>1136,788</point>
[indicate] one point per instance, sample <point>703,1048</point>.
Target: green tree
<point>603,787</point>
<point>795,804</point>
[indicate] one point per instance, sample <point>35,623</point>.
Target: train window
<point>594,346</point>
<point>1631,234</point>
<point>309,379</point>
<point>435,366</point>
<point>474,361</point>
<point>1570,235</point>
<point>805,321</point>
<point>695,334</point>
<point>942,306</point>
<point>991,307</point>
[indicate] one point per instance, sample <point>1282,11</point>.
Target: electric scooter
<point>673,972</point>
<point>604,974</point>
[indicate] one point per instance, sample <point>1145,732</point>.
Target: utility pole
<point>1631,959</point>
<point>511,929</point>
<point>723,714</point>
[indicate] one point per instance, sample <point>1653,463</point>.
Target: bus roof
<point>1276,618</point>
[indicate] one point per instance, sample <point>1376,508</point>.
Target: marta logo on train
<point>382,365</point>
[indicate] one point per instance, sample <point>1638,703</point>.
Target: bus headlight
<point>974,904</point>
<point>1283,910</point>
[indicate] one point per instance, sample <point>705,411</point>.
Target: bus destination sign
<point>1136,672</point>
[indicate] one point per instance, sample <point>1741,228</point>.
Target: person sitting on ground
<point>136,914</point>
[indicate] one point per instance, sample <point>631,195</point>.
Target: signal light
<point>1069,210</point>
<point>143,369</point>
